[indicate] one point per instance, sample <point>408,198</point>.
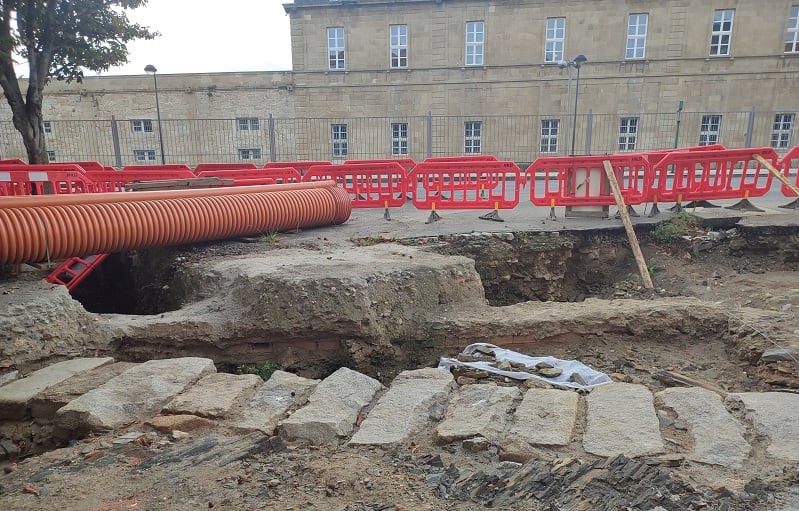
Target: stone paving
<point>618,418</point>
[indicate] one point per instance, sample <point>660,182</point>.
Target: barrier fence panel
<point>43,179</point>
<point>407,163</point>
<point>465,185</point>
<point>789,166</point>
<point>708,175</point>
<point>370,185</point>
<point>283,174</point>
<point>468,158</point>
<point>242,177</point>
<point>205,167</point>
<point>115,181</point>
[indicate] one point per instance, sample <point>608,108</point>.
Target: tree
<point>59,38</point>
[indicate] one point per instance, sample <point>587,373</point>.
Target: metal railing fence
<point>520,138</point>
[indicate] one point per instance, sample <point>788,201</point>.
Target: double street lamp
<point>576,62</point>
<point>151,70</point>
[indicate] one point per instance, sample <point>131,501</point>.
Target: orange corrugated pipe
<point>59,226</point>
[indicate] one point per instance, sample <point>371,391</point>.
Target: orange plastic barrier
<point>168,168</point>
<point>207,167</point>
<point>581,181</point>
<point>656,156</point>
<point>90,165</point>
<point>789,166</point>
<point>34,229</point>
<point>708,175</point>
<point>369,185</point>
<point>464,159</point>
<point>407,163</point>
<point>284,174</point>
<point>13,161</point>
<point>480,184</point>
<point>43,179</point>
<point>74,270</point>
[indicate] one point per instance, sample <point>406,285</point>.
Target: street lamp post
<point>567,64</point>
<point>151,70</point>
<point>577,62</point>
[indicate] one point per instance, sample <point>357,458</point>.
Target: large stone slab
<point>270,402</point>
<point>332,408</point>
<point>215,395</point>
<point>47,403</point>
<point>622,420</point>
<point>138,393</point>
<point>15,396</point>
<point>405,408</point>
<point>776,415</point>
<point>478,410</point>
<point>718,437</point>
<point>546,417</point>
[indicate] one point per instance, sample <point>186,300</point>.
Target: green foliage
<point>673,229</point>
<point>270,237</point>
<point>59,39</point>
<point>651,267</point>
<point>264,370</point>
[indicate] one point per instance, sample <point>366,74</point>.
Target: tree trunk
<point>30,126</point>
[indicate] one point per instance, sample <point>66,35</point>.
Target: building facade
<point>380,78</point>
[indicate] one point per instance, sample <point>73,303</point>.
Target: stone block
<point>546,417</point>
<point>332,408</point>
<point>170,423</point>
<point>622,420</point>
<point>215,395</point>
<point>775,415</point>
<point>478,410</point>
<point>138,393</point>
<point>405,408</point>
<point>272,400</point>
<point>15,396</point>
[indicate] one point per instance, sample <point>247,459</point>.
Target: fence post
<point>750,127</point>
<point>589,127</point>
<point>429,134</point>
<point>115,139</point>
<point>272,149</point>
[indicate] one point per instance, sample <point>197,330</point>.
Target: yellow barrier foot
<point>676,208</point>
<point>791,205</point>
<point>655,211</point>
<point>387,215</point>
<point>700,204</point>
<point>630,211</point>
<point>552,214</point>
<point>745,205</point>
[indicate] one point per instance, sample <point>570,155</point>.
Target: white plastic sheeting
<point>591,377</point>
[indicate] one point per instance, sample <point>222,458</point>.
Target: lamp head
<point>579,59</point>
<point>562,64</point>
<point>150,69</point>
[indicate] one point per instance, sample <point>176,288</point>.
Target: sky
<point>203,36</point>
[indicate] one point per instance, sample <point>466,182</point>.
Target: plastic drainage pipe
<point>59,226</point>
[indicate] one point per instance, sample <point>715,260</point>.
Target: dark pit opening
<point>138,282</point>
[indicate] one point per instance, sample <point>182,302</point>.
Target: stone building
<point>380,78</point>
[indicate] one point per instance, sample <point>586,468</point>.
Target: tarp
<point>591,377</point>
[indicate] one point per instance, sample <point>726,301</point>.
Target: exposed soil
<point>746,291</point>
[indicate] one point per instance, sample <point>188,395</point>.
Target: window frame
<point>248,124</point>
<point>708,136</point>
<point>475,49</point>
<point>556,53</point>
<point>339,143</point>
<point>792,31</point>
<point>142,125</point>
<point>51,156</point>
<point>398,50</point>
<point>146,153</point>
<point>252,153</point>
<point>550,131</point>
<point>781,135</point>
<point>340,57</point>
<point>399,141</point>
<point>638,40</point>
<point>718,34</point>
<point>628,133</point>
<point>47,127</point>
<point>473,137</point>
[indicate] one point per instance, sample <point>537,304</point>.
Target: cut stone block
<point>47,403</point>
<point>718,437</point>
<point>405,408</point>
<point>622,420</point>
<point>138,393</point>
<point>546,417</point>
<point>270,402</point>
<point>15,397</point>
<point>478,410</point>
<point>170,423</point>
<point>776,415</point>
<point>215,395</point>
<point>332,408</point>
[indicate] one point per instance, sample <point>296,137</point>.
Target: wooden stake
<point>777,174</point>
<point>628,226</point>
